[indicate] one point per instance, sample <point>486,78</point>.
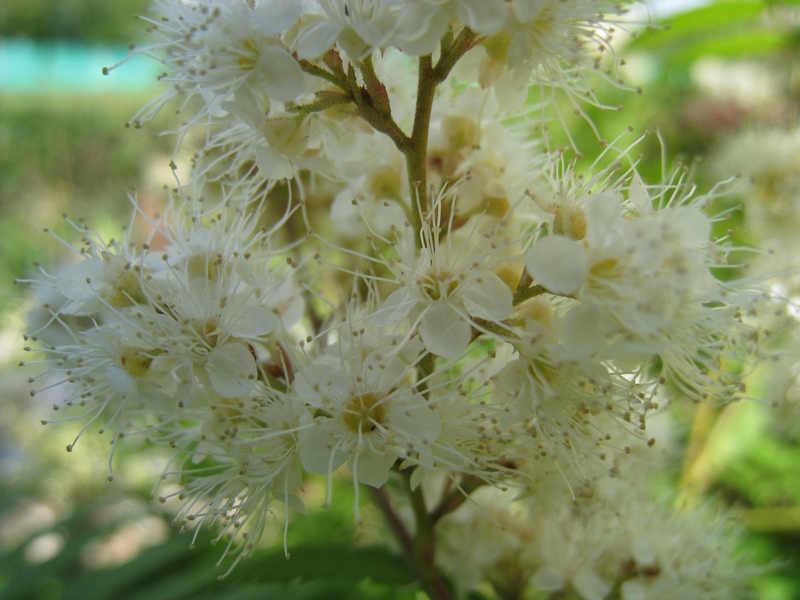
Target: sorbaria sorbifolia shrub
<point>378,259</point>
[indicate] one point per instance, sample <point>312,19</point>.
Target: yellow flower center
<point>247,61</point>
<point>438,287</point>
<point>363,412</point>
<point>135,362</point>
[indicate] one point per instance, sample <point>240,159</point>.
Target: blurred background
<point>721,84</point>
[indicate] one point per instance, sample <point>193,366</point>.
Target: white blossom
<point>356,26</point>
<point>445,286</point>
<point>370,418</point>
<point>214,48</point>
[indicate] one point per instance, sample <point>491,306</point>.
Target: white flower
<point>643,284</point>
<point>422,23</point>
<point>445,286</point>
<point>242,455</point>
<point>214,47</point>
<point>768,161</point>
<point>552,44</point>
<point>369,418</point>
<point>97,282</point>
<point>106,376</point>
<point>357,26</point>
<point>492,162</point>
<point>569,406</point>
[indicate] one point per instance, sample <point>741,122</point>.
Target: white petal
<point>372,468</point>
<point>585,329</point>
<point>444,331</point>
<point>272,165</point>
<point>643,553</point>
<point>691,226</point>
<point>231,369</point>
<point>590,585</point>
<point>557,263</point>
<point>547,578</point>
<point>316,39</point>
<point>380,373</point>
<point>249,107</point>
<point>420,29</point>
<point>377,31</point>
<point>122,383</point>
<point>417,475</point>
<point>633,589</point>
<point>319,385</point>
<point>485,296</point>
<point>253,321</point>
<point>201,298</point>
<point>186,383</point>
<point>72,282</point>
<point>604,221</point>
<point>419,422</point>
<point>637,194</point>
<point>281,74</point>
<point>486,17</point>
<point>318,447</point>
<point>395,307</point>
<point>273,17</point>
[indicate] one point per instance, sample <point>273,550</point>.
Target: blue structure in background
<point>28,66</point>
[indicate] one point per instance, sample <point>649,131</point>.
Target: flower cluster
<point>603,540</point>
<point>373,264</point>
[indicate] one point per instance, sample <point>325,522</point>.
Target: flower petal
<point>281,74</point>
<point>444,331</point>
<point>585,330</point>
<point>73,280</point>
<point>557,263</point>
<point>253,321</point>
<point>395,307</point>
<point>320,447</point>
<point>316,39</point>
<point>321,385</point>
<point>486,17</point>
<point>231,369</point>
<point>485,296</point>
<point>372,468</point>
<point>273,165</point>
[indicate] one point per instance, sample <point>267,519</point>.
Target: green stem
<point>416,154</point>
<point>499,329</point>
<point>420,549</point>
<point>455,498</point>
<point>527,293</point>
<point>324,101</point>
<point>336,79</point>
<point>452,53</point>
<point>373,112</point>
<point>425,546</point>
<point>425,367</point>
<point>397,526</point>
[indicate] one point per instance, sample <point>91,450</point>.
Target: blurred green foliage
<point>85,20</point>
<point>324,564</point>
<point>65,154</point>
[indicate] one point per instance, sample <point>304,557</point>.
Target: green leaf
<point>166,558</point>
<point>700,24</point>
<point>29,581</point>
<point>334,562</point>
<point>724,29</point>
